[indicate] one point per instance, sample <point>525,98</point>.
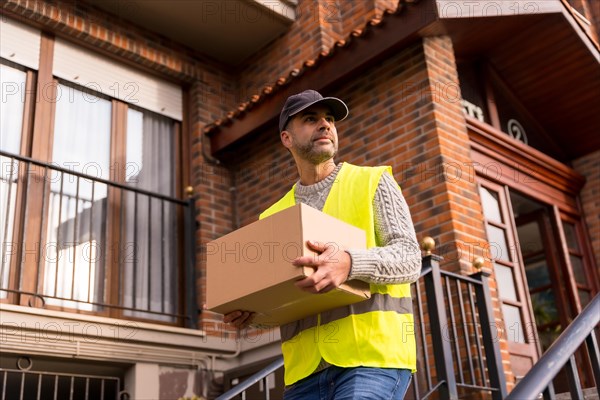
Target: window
<point>95,225</point>
<point>487,98</point>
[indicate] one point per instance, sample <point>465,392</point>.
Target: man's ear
<point>286,138</point>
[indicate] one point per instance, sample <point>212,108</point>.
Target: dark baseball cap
<point>301,101</point>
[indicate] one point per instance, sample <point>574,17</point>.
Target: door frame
<point>499,159</point>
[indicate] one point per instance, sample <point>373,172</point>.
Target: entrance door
<point>541,268</point>
<point>557,281</point>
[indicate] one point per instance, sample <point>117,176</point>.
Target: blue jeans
<point>360,383</point>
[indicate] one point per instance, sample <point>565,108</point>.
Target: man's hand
<point>332,267</point>
<point>239,319</point>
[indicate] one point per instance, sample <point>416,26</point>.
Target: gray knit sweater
<point>398,259</point>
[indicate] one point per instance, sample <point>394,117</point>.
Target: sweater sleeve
<point>398,257</point>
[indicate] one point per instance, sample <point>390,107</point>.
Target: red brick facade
<point>320,23</point>
<point>405,112</point>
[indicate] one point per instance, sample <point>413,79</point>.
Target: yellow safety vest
<point>378,332</point>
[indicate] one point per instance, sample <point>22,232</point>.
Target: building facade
<point>134,132</point>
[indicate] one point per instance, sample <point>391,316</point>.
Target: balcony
<point>228,31</point>
<point>96,246</point>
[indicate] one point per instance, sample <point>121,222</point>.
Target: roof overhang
<point>547,59</point>
<point>228,31</point>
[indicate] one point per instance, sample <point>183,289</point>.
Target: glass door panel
<point>74,262</point>
<point>518,319</point>
<point>12,108</point>
<point>541,268</point>
<point>582,273</point>
<point>13,105</point>
<point>150,277</point>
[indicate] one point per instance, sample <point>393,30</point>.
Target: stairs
<point>588,394</point>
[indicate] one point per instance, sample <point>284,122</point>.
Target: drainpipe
<point>235,220</point>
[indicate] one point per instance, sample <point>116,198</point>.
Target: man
<point>365,350</point>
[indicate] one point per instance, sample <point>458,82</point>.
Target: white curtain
<point>12,92</point>
<point>150,225</point>
<point>74,252</point>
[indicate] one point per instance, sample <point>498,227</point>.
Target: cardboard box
<point>251,268</point>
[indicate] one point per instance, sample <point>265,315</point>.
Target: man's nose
<point>324,123</point>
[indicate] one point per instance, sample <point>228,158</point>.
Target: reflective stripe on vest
<point>378,332</point>
<point>377,302</point>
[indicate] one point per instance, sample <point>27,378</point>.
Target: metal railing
<point>464,356</point>
<point>260,376</point>
<point>77,241</point>
<point>562,354</point>
<point>464,337</point>
<point>26,385</point>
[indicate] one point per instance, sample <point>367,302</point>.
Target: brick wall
<point>589,166</point>
<point>319,24</point>
<point>456,211</point>
<point>304,40</point>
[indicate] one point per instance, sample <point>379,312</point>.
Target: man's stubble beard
<point>308,153</point>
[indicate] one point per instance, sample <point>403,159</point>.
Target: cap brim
<point>338,108</point>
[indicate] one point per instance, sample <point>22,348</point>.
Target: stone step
<point>588,394</point>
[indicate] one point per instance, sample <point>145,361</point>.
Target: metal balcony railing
<point>457,339</point>
<point>24,385</point>
<point>75,241</point>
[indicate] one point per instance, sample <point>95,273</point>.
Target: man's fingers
<point>324,251</point>
<point>239,319</point>
<point>316,283</point>
<point>327,288</point>
<point>306,282</point>
<point>317,246</point>
<point>320,287</point>
<point>307,261</point>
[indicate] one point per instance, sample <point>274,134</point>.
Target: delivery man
<point>365,350</point>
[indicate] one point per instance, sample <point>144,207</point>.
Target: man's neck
<point>311,174</point>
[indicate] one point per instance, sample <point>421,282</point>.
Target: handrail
<point>25,173</point>
<point>262,374</point>
<point>559,353</point>
<point>92,178</point>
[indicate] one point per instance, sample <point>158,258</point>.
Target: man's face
<point>311,135</point>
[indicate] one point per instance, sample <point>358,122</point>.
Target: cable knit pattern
<point>398,259</point>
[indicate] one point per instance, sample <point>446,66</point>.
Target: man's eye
<point>330,119</point>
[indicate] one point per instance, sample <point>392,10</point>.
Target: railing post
<point>491,345</point>
<point>191,304</point>
<point>593,351</point>
<point>438,320</point>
